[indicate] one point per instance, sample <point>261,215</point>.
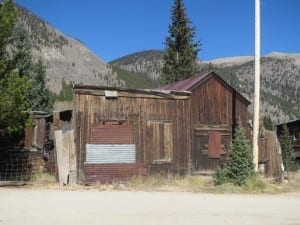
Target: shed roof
<point>172,94</point>
<point>289,122</point>
<point>191,83</point>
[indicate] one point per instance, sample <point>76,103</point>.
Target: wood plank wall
<point>214,107</point>
<point>136,109</point>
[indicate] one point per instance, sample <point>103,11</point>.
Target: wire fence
<point>18,164</point>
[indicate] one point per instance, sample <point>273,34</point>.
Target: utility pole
<point>256,85</point>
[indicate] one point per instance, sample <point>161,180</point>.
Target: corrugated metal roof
<point>184,85</point>
<point>110,153</point>
<point>288,122</point>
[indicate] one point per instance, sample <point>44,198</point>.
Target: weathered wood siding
<point>138,109</point>
<point>214,103</point>
<point>269,154</point>
<point>294,130</point>
<point>215,107</point>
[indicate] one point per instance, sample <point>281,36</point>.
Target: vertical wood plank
<point>60,157</point>
<point>72,158</point>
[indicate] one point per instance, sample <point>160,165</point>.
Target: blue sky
<point>114,28</point>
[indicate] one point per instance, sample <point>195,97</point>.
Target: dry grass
<point>205,184</point>
<point>293,182</point>
<point>254,185</point>
<point>43,177</point>
<point>197,184</point>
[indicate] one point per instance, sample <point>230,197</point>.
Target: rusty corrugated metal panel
<point>109,173</point>
<point>214,144</point>
<point>112,134</point>
<point>110,153</point>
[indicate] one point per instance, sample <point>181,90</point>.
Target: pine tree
<point>287,151</point>
<point>268,123</point>
<point>179,61</point>
<point>240,163</point>
<point>21,56</point>
<point>13,87</point>
<point>13,103</point>
<point>8,18</point>
<point>39,96</point>
<point>239,166</point>
<point>66,92</point>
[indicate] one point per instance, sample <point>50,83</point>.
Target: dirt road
<point>54,207</point>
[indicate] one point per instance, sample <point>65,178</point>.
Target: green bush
<point>220,177</point>
<point>239,166</point>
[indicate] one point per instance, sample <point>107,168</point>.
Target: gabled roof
<point>289,122</point>
<point>191,83</point>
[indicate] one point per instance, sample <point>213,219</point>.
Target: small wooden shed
<point>294,130</point>
<point>124,132</point>
<point>216,109</point>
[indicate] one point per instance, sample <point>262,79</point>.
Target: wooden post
<point>66,157</point>
<point>72,158</point>
<point>56,120</point>
<point>59,155</point>
<point>256,85</point>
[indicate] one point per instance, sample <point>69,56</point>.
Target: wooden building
<point>39,135</point>
<point>216,109</point>
<point>294,130</point>
<point>124,132</point>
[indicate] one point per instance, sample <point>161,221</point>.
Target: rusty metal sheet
<point>110,153</point>
<point>109,173</point>
<point>112,134</point>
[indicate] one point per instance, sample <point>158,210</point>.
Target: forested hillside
<point>147,63</point>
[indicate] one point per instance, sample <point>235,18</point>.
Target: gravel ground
<point>19,206</point>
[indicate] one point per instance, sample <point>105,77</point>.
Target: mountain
<point>280,78</point>
<point>147,63</point>
<point>64,57</point>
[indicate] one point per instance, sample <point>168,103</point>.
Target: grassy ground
<point>180,184</point>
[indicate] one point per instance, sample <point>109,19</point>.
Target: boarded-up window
<point>214,144</point>
<point>159,141</point>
